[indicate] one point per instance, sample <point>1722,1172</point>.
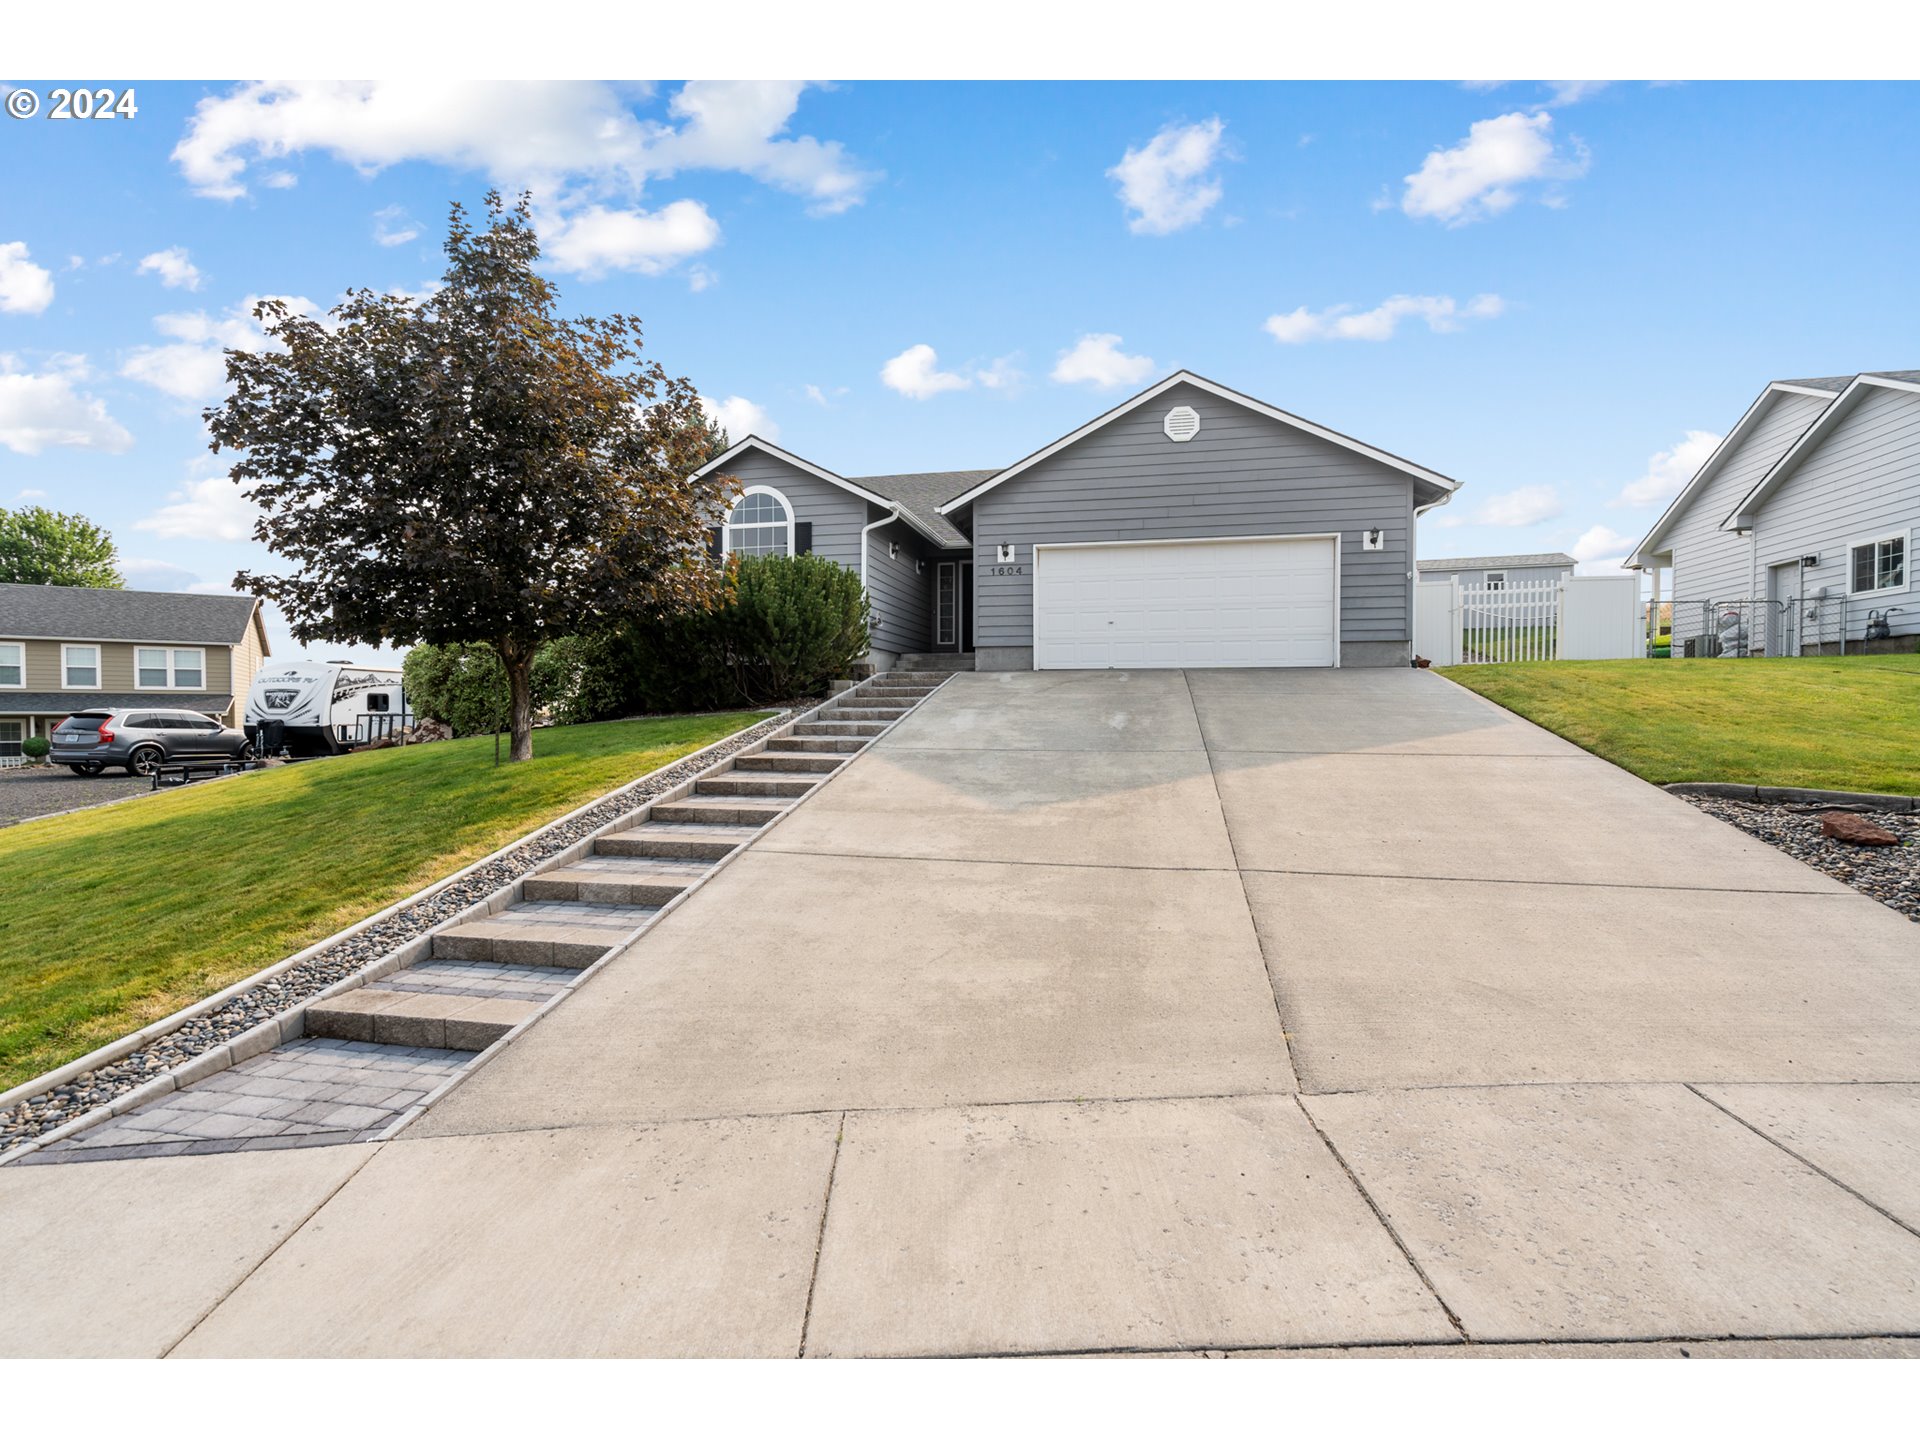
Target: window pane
<point>186,669</point>
<point>1893,564</point>
<point>11,663</point>
<point>758,510</point>
<point>1863,567</point>
<point>759,539</point>
<point>83,668</point>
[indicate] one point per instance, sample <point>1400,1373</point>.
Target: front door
<point>1783,608</point>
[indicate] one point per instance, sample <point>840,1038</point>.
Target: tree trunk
<point>519,669</point>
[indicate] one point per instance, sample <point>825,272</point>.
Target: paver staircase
<point>569,917</point>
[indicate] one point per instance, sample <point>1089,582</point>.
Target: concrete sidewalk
<point>1146,1012</point>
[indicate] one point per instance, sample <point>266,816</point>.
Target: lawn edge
<point>119,1049</point>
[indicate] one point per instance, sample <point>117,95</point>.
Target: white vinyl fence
<point>1583,617</point>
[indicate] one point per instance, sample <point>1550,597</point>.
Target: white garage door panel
<point>1171,604</point>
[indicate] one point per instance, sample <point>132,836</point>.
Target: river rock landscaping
<point>1888,873</point>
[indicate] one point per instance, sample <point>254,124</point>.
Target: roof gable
<point>1724,451</point>
<point>1440,482</point>
<point>1824,425</point>
<point>767,447</point>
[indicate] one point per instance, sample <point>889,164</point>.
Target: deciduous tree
<point>470,466</point>
<point>39,546</point>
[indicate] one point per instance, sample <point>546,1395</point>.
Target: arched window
<point>761,523</point>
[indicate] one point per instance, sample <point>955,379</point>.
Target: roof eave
<point>788,457</point>
<point>1442,483</point>
<point>1748,510</point>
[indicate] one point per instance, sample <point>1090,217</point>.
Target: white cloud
<point>393,226</point>
<point>915,372</point>
<point>1668,471</point>
<point>1529,505</point>
<point>1601,550</point>
<point>699,278</point>
<point>31,494</point>
<point>1342,322</point>
<point>1480,176</point>
<point>145,574</point>
<point>212,508</point>
<point>194,367</point>
<point>175,269</point>
<point>1572,92</point>
<point>1001,374</point>
<point>1166,184</point>
<point>740,417</point>
<point>25,288</point>
<point>581,147</point>
<point>42,409</point>
<point>280,180</point>
<point>596,240</point>
<point>1097,360</point>
<point>825,397</point>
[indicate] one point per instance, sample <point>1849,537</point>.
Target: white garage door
<point>1180,603</point>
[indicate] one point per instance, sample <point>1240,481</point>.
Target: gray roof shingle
<point>1497,562</point>
<point>922,494</point>
<point>75,612</point>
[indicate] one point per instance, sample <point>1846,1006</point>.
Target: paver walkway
<point>1210,1012</point>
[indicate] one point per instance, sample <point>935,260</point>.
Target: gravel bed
<point>30,791</point>
<point>1888,873</point>
<point>56,1107</point>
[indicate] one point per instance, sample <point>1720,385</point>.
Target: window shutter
<point>803,537</point>
<point>716,542</point>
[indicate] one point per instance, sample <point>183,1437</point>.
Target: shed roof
<point>1499,562</point>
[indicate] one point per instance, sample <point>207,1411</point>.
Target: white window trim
<point>21,646</point>
<point>1906,563</point>
<point>1487,579</point>
<point>98,678</point>
<point>172,685</point>
<point>727,527</point>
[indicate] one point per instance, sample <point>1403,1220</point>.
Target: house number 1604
<point>1006,570</point>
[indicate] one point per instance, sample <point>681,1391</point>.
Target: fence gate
<point>1595,617</point>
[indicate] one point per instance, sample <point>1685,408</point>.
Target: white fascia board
<point>1744,513</point>
<point>1187,377</point>
<point>1645,552</point>
<point>769,448</point>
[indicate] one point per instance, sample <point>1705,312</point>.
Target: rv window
<point>376,700</point>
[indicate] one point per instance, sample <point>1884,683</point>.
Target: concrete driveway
<point>1225,1011</point>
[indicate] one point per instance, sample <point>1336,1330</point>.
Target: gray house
<point>1797,533</point>
<point>1189,526</point>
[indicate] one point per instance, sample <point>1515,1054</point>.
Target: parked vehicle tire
<point>145,760</point>
<point>245,752</point>
<point>84,769</point>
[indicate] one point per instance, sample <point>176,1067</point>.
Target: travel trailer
<point>314,707</point>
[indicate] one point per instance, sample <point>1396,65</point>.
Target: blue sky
<point>1558,294</point>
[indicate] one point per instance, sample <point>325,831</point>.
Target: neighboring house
<point>1190,525</point>
<point>66,647</point>
<point>1803,520</point>
<point>1499,571</point>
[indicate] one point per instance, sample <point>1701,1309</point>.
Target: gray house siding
<point>1860,482</point>
<point>1243,474</point>
<point>835,514</point>
<point>900,586</point>
<point>1714,564</point>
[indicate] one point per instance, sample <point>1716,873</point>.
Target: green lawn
<point>1828,722</point>
<point>115,917</point>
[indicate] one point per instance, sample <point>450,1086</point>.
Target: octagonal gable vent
<point>1182,423</point>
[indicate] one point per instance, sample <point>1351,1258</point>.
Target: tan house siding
<point>227,672</point>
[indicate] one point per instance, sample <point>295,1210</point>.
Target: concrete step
<point>935,662</point>
<point>615,880</point>
<point>482,979</point>
<point>569,934</point>
<point>681,842</point>
<point>411,1017</point>
<point>781,761</point>
<point>869,714</point>
<point>755,786</point>
<point>822,744</point>
<point>816,729</point>
<point>717,810</point>
<point>905,689</point>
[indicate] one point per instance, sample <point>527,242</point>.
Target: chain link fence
<point>1744,629</point>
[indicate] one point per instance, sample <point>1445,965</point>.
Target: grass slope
<point>112,918</point>
<point>1825,722</point>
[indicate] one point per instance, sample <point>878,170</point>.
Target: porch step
<point>615,880</point>
<point>665,840</point>
<point>412,1017</point>
<point>716,810</point>
<point>896,692</point>
<point>799,761</point>
<point>767,787</point>
<point>570,934</point>
<point>942,663</point>
<point>815,729</point>
<point>842,745</point>
<point>866,714</point>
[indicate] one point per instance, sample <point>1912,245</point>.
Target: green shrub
<point>35,747</point>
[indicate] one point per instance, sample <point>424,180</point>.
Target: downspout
<point>866,530</point>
